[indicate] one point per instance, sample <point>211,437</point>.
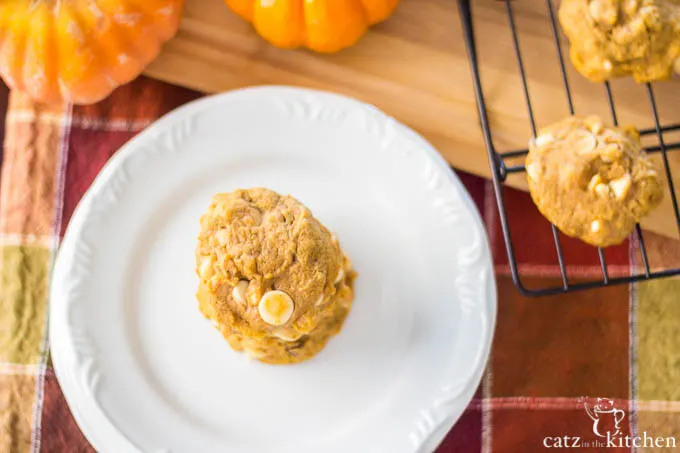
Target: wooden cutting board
<point>414,67</point>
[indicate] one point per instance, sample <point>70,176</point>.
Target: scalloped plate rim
<point>58,329</point>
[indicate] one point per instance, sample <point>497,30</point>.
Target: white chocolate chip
<point>340,276</point>
<point>286,334</point>
<point>630,7</point>
<point>601,12</point>
<point>602,190</point>
<point>637,25</point>
<point>205,269</point>
<point>276,308</point>
<point>221,236</point>
<point>585,144</point>
<point>595,226</point>
<point>651,173</point>
<point>647,10</point>
<point>543,139</point>
<point>594,181</point>
<point>607,65</point>
<point>594,124</point>
<point>239,292</point>
<point>319,301</point>
<point>620,186</point>
<point>253,354</point>
<point>534,170</point>
<point>595,10</point>
<point>610,152</point>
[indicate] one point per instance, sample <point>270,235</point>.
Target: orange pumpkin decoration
<point>320,25</point>
<point>81,50</point>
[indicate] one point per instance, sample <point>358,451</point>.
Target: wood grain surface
<point>414,67</point>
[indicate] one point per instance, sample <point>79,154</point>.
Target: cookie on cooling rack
<point>613,38</point>
<point>592,181</point>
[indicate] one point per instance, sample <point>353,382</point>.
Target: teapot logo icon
<point>606,417</point>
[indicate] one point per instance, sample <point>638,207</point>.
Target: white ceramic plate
<point>143,371</point>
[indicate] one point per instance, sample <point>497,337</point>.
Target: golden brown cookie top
<point>587,139</point>
<point>613,38</point>
<point>269,262</point>
<point>591,180</point>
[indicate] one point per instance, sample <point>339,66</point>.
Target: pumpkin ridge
<point>119,37</point>
<point>18,55</point>
<point>96,52</point>
<point>116,26</point>
<point>4,39</point>
<point>50,67</point>
<point>304,36</point>
<point>140,5</point>
<point>281,22</point>
<point>383,10</point>
<point>340,24</point>
<point>244,8</point>
<point>150,9</point>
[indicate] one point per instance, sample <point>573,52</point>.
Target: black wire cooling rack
<point>500,170</point>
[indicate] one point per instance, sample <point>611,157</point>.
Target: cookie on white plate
<point>273,279</point>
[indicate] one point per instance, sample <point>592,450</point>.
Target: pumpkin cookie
<point>273,280</point>
<point>613,38</point>
<point>592,181</point>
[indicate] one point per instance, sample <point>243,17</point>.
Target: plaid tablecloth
<point>621,343</point>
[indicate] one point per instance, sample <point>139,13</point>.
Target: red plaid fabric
<point>620,344</point>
